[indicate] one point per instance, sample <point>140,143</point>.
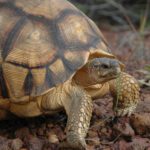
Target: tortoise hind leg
<point>125,92</point>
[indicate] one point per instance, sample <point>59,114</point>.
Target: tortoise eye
<point>105,66</point>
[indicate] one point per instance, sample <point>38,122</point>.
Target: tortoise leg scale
<point>79,116</point>
<point>78,106</point>
<point>125,91</point>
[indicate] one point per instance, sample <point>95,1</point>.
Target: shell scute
<point>45,44</point>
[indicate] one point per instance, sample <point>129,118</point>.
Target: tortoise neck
<point>83,78</point>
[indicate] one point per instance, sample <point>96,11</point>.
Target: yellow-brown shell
<point>42,44</point>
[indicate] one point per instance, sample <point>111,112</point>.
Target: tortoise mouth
<point>109,73</point>
<point>108,77</point>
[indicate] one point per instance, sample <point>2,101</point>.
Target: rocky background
<point>126,26</point>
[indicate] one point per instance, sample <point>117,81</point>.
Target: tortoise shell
<point>42,44</point>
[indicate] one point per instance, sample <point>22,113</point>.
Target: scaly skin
<point>77,102</point>
<point>79,119</point>
<point>73,98</point>
<point>125,91</point>
<point>78,106</point>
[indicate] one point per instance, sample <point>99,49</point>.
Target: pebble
<point>52,137</point>
<point>35,143</point>
<point>16,144</point>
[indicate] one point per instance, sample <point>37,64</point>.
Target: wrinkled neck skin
<point>83,78</point>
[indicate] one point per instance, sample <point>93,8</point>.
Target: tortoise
<point>53,57</point>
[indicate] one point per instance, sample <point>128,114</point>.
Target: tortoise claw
<point>126,111</point>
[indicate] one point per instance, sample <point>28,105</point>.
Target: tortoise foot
<point>125,111</point>
<point>75,141</point>
<point>73,144</point>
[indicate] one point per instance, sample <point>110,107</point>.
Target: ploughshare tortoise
<point>53,57</point>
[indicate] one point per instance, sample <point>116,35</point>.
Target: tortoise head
<point>103,69</point>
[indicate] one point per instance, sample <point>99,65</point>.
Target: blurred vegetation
<point>146,81</point>
<point>131,15</point>
<point>117,12</point>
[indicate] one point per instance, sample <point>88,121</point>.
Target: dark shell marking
<point>37,42</point>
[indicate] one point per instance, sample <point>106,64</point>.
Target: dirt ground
<point>106,131</point>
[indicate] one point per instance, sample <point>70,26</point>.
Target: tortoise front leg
<point>125,91</point>
<point>79,116</point>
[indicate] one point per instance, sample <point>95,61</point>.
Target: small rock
<point>16,144</point>
<point>139,144</point>
<point>90,147</point>
<point>5,147</point>
<point>59,132</point>
<point>22,133</point>
<point>97,110</point>
<point>148,148</point>
<point>40,132</point>
<point>52,137</point>
<point>92,133</point>
<point>4,143</point>
<point>104,130</point>
<point>144,106</point>
<point>93,138</point>
<point>3,140</point>
<point>35,143</point>
<point>50,125</point>
<point>121,145</point>
<point>124,129</point>
<point>141,123</point>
